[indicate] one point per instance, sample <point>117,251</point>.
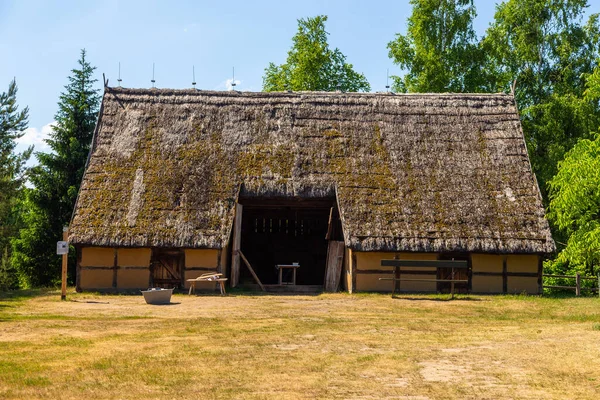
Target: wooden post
<point>598,284</point>
<point>578,284</point>
<point>540,276</point>
<point>65,257</point>
<point>237,241</point>
<point>78,250</point>
<point>115,270</point>
<point>397,273</point>
<point>354,268</point>
<point>504,276</point>
<point>452,285</point>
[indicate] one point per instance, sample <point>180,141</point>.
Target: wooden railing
<point>578,287</point>
<point>398,264</point>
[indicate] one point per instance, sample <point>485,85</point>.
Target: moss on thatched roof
<point>430,172</point>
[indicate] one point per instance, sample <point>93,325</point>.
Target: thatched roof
<point>420,172</point>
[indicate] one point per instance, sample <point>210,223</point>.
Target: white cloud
<point>36,137</point>
<point>229,84</point>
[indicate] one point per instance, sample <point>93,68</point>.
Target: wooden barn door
<point>459,273</point>
<point>333,270</point>
<point>166,268</point>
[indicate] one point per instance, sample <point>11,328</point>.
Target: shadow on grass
<point>89,301</point>
<point>438,299</point>
<point>238,291</point>
<point>24,294</point>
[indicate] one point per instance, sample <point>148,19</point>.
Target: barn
<point>183,182</point>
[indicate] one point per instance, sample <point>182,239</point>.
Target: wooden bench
<point>210,277</point>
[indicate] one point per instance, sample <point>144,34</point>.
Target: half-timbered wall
<point>368,271</point>
<point>511,273</point>
<point>123,269</point>
<point>202,261</point>
<point>95,269</point>
<point>490,273</point>
<point>132,268</point>
<point>106,268</point>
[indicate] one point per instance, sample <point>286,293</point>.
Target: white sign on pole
<point>62,248</point>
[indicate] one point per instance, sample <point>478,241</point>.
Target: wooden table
<point>293,267</point>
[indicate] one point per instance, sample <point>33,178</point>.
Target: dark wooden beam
<point>78,250</point>
<point>114,282</point>
<point>540,274</point>
<point>425,263</point>
<point>504,275</point>
<point>209,269</point>
<point>388,271</point>
<point>354,269</point>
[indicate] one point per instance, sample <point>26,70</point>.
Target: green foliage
<point>592,92</point>
<point>8,274</point>
<point>34,249</point>
<point>440,49</point>
<point>554,126</point>
<point>56,180</point>
<point>544,45</point>
<point>312,65</point>
<point>12,176</point>
<point>575,207</point>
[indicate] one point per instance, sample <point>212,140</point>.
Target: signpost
<point>62,248</point>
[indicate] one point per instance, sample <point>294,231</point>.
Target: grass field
<point>299,347</point>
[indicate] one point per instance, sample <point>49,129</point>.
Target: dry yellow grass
<point>299,347</point>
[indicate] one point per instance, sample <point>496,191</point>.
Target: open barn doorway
<point>277,231</point>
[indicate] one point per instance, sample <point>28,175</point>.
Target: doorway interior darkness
<point>283,231</point>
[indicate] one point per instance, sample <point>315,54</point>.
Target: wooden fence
<point>398,264</point>
<point>578,278</point>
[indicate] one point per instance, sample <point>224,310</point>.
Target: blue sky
<point>41,41</point>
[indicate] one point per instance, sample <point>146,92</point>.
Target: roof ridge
<point>291,93</point>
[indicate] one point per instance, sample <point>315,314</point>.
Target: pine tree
<point>12,176</point>
<point>57,178</point>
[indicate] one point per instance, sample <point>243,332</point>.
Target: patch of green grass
<point>23,372</point>
<point>103,364</point>
<point>368,358</point>
<point>69,341</point>
<point>37,381</point>
<point>23,294</point>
